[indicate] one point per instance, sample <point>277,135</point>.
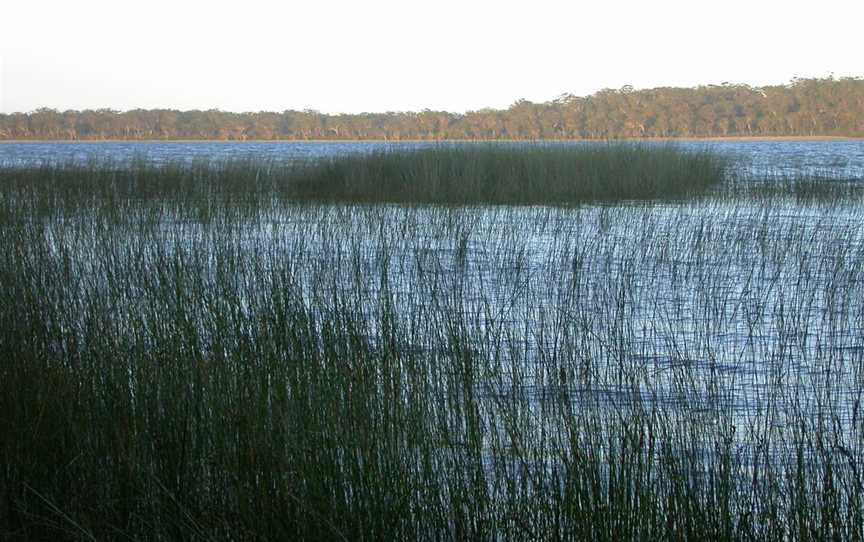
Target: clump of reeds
<point>471,174</point>
<point>513,174</point>
<point>802,187</point>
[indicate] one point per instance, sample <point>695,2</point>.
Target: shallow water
<point>723,312</point>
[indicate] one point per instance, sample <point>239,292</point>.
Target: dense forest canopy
<point>804,107</point>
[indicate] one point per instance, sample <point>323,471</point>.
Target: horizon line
<point>560,97</point>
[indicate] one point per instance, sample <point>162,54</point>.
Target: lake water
<point>842,157</point>
<point>752,303</point>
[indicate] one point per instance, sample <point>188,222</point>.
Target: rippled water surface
<point>746,311</point>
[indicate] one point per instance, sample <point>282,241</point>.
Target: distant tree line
<point>804,107</point>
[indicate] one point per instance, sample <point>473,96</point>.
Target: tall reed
<point>189,361</point>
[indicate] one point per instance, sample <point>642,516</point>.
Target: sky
<point>404,55</point>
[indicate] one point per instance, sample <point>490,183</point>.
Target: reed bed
<point>441,174</point>
<point>514,174</point>
<point>206,364</point>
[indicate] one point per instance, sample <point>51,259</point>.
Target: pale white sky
<point>383,55</point>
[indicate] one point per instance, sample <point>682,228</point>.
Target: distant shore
<point>637,139</point>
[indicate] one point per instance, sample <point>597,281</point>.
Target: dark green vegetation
<point>470,174</point>
<point>187,353</point>
<point>514,174</point>
<point>805,107</point>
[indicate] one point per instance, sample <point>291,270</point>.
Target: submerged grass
<point>190,353</point>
